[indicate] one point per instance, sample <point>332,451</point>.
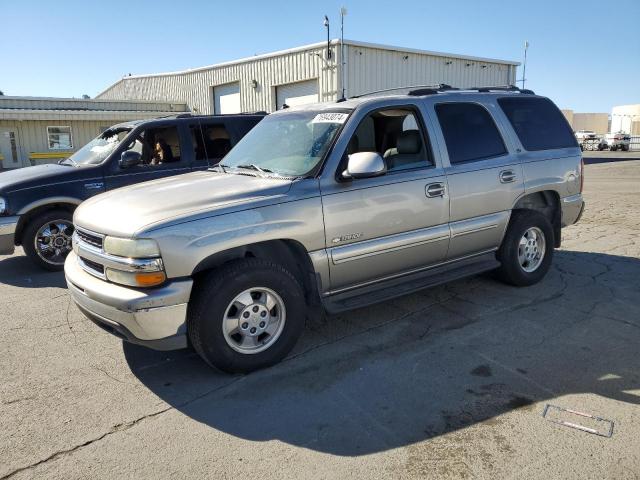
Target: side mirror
<point>130,159</point>
<point>365,165</point>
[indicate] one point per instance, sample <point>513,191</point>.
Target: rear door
<point>177,153</point>
<point>483,171</point>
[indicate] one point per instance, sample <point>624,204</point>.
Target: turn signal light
<point>150,279</point>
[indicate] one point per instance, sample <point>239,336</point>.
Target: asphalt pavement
<point>451,382</point>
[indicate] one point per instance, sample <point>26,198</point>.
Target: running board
<point>397,287</point>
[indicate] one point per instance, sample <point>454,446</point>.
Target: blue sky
<point>584,55</point>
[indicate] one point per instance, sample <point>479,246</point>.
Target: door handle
<point>434,190</point>
<point>507,176</point>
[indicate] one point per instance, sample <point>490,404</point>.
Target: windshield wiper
<point>222,167</point>
<point>64,162</point>
<point>253,166</point>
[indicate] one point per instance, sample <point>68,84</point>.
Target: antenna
<point>524,66</point>
<point>343,13</point>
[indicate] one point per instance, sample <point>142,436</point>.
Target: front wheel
<point>47,239</point>
<point>527,249</point>
<point>246,315</point>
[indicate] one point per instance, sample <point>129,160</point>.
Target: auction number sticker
<point>330,118</point>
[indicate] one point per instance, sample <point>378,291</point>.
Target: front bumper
<point>155,318</point>
<point>572,208</point>
<point>8,227</point>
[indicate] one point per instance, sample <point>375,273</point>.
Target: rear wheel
<point>527,249</point>
<point>246,315</point>
<point>47,239</point>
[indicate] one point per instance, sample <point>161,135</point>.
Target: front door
<point>9,150</point>
<point>380,227</point>
<point>485,179</point>
<point>164,152</point>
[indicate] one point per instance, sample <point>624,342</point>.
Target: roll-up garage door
<point>297,93</point>
<point>226,98</point>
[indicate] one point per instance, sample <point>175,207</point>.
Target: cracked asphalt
<point>447,383</point>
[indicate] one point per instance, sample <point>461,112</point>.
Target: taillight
<point>581,173</point>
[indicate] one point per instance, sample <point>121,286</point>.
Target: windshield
<point>98,149</point>
<point>291,144</point>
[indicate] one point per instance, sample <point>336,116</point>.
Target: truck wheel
<point>625,148</point>
<point>47,239</point>
<point>246,315</point>
<point>613,149</point>
<point>527,249</point>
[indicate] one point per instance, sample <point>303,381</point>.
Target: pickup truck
<point>37,203</point>
<point>329,207</point>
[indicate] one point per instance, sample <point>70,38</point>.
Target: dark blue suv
<point>37,203</point>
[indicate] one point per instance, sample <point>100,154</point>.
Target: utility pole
<point>524,67</point>
<point>343,13</point>
<point>326,24</point>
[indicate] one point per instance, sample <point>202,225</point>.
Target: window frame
<point>70,147</point>
<point>495,124</point>
<point>430,161</point>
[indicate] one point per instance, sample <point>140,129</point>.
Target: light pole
<point>326,24</point>
<point>343,13</point>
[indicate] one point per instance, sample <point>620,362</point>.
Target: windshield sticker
<point>330,118</point>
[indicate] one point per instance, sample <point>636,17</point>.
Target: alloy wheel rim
<point>531,249</point>
<point>53,241</point>
<point>254,320</point>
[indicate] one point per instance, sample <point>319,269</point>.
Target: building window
<point>59,138</point>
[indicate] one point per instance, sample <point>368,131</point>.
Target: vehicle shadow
<point>407,370</point>
<point>19,271</point>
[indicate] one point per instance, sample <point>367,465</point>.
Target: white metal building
<point>309,74</point>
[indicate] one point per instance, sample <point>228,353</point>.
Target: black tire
<point>613,149</point>
<point>29,238</point>
<point>625,148</point>
<point>212,295</point>
<point>511,271</point>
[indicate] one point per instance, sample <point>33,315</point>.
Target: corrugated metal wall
<point>368,68</point>
<point>195,87</point>
<point>32,135</point>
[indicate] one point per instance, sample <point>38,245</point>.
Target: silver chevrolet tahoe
<point>329,207</point>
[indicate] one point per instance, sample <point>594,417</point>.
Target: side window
<point>469,132</point>
<point>217,141</point>
<point>394,133</point>
<point>538,123</point>
<point>157,146</point>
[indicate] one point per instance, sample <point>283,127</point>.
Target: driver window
<point>396,135</point>
<point>157,146</point>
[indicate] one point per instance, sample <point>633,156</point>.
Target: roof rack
<point>502,88</point>
<point>421,90</point>
<point>413,88</point>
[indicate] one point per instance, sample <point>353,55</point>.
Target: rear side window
<point>538,123</point>
<point>469,132</point>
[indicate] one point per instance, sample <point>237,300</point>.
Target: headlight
<point>125,247</point>
<point>3,206</point>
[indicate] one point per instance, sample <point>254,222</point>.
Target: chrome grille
<point>89,238</point>
<point>96,267</point>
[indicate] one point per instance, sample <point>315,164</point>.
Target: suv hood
<point>39,175</point>
<point>127,211</point>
